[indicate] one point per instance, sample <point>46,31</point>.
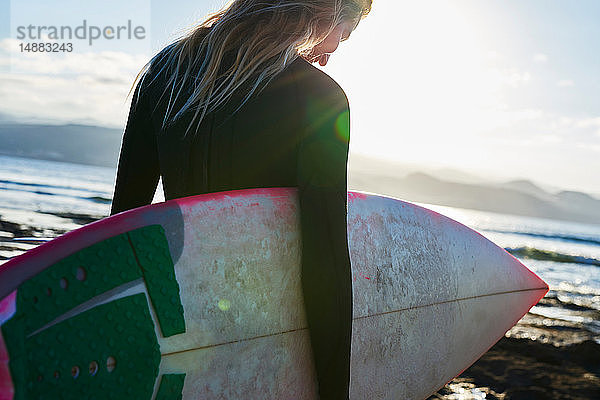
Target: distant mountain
<point>580,201</point>
<point>526,186</point>
<point>385,167</point>
<point>455,175</point>
<point>82,144</point>
<point>94,145</point>
<point>518,198</point>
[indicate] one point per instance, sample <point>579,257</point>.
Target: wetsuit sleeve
<point>138,170</point>
<point>326,273</point>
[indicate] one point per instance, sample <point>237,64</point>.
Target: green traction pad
<point>141,253</point>
<point>152,252</point>
<point>107,352</point>
<point>76,279</point>
<point>171,387</point>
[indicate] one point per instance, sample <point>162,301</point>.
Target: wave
<point>569,238</point>
<point>72,193</point>
<point>570,301</point>
<point>547,255</point>
<point>585,290</point>
<point>100,199</point>
<point>43,185</point>
<point>77,217</point>
<point>44,193</point>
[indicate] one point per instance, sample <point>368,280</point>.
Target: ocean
<point>47,198</point>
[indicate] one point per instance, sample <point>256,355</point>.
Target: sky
<point>499,89</point>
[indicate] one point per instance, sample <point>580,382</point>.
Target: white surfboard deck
<point>430,295</point>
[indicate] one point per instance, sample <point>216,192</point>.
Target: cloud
<point>565,83</point>
<point>540,58</point>
<point>511,76</point>
<point>543,127</point>
<point>592,125</point>
<point>72,87</point>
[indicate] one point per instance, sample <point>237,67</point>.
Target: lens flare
<point>224,304</point>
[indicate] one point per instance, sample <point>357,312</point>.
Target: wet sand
<point>539,358</point>
<point>526,369</point>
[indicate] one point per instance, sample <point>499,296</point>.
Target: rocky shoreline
<point>525,369</point>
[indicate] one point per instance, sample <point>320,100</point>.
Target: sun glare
<point>419,82</point>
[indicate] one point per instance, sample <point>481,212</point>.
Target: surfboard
<point>200,297</point>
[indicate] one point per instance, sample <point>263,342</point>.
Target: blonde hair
<point>265,36</point>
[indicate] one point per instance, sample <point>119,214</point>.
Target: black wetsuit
<point>293,134</point>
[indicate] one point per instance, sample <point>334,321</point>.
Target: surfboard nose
<point>532,283</point>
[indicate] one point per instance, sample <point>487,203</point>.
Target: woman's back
<point>293,133</point>
<point>258,146</point>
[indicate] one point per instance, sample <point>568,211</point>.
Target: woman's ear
<point>324,59</point>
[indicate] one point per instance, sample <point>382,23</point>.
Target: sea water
<point>565,254</point>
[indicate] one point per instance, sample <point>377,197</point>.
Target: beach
<point>552,353</point>
<point>532,362</point>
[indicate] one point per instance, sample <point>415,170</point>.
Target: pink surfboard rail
<point>399,254</point>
